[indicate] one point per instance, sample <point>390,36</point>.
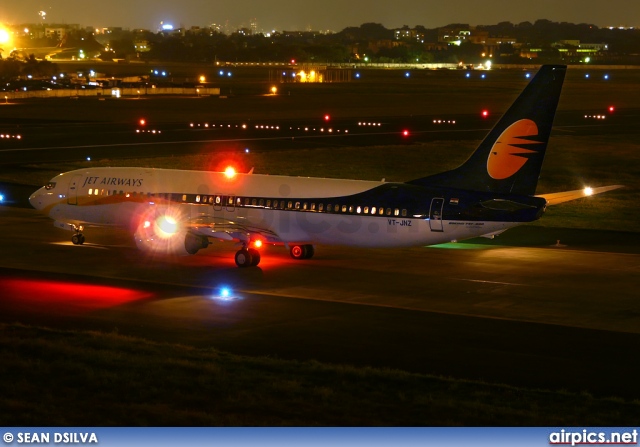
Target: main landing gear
<point>301,251</point>
<point>250,257</point>
<point>247,257</point>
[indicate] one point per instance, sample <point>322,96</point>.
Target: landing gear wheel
<point>77,239</point>
<point>255,256</point>
<point>301,251</point>
<point>244,258</point>
<point>310,251</point>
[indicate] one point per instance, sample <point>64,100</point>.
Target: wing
<point>561,197</point>
<point>228,230</point>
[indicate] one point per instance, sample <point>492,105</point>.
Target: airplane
<point>179,212</point>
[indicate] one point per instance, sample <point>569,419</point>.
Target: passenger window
<point>321,207</point>
<point>388,211</point>
<point>246,201</point>
<point>218,200</point>
<point>381,211</point>
<point>297,205</point>
<point>313,207</point>
<point>404,213</point>
<point>373,210</point>
<point>197,199</point>
<point>261,202</point>
<point>336,208</point>
<point>351,208</point>
<point>304,206</point>
<point>329,208</point>
<point>344,208</point>
<point>254,202</point>
<point>366,210</point>
<point>290,205</point>
<point>358,210</point>
<point>184,197</point>
<point>396,212</point>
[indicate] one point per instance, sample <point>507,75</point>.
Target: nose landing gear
<point>78,238</point>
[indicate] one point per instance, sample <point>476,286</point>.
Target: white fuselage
<point>290,210</point>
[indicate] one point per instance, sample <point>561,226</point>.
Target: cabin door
<point>74,186</point>
<point>435,214</point>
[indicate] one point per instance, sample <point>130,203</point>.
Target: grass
<point>92,378</point>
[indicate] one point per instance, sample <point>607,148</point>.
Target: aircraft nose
<point>36,199</point>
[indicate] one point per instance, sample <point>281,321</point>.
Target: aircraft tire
<point>301,251</point>
<point>77,239</point>
<point>255,256</point>
<point>297,251</point>
<point>309,251</point>
<point>243,258</point>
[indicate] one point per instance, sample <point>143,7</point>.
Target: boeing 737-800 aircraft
<point>175,211</point>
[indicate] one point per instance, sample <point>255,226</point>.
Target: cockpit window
<point>49,186</point>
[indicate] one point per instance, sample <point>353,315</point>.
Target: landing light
<point>588,191</point>
<point>168,225</point>
<point>257,243</point>
<point>1,198</point>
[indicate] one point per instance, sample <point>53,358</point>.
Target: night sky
<point>333,15</point>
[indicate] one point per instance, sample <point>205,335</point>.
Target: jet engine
<point>163,235</point>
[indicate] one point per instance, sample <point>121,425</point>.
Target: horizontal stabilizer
<point>561,197</point>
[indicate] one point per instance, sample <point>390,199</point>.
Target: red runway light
<point>66,293</point>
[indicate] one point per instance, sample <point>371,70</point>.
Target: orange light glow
<point>143,122</point>
<point>230,172</point>
<point>257,243</point>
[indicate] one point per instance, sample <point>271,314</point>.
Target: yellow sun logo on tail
<point>508,155</point>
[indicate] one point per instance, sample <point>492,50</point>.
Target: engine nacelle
<point>165,237</point>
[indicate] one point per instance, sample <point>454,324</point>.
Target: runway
<point>537,307</point>
<point>542,316</point>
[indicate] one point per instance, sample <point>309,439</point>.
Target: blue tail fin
<point>509,159</point>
